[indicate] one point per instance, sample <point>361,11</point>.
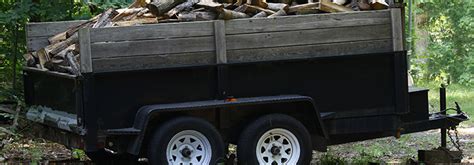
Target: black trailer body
<point>341,90</point>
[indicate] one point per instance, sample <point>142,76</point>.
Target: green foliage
<point>449,56</point>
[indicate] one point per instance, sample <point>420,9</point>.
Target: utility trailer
<point>278,88</point>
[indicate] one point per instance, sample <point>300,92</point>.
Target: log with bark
<point>197,16</point>
<point>105,19</point>
<point>160,7</point>
<point>256,9</point>
<point>230,14</point>
<point>212,6</point>
<point>180,7</point>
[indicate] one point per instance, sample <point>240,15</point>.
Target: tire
<point>186,140</point>
<point>274,138</point>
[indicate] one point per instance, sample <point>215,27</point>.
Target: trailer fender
<point>144,113</point>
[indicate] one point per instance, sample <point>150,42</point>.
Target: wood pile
<point>62,53</point>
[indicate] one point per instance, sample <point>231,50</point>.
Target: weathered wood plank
<point>146,47</point>
<point>42,29</point>
<point>309,51</point>
<point>85,51</point>
<point>36,43</point>
<point>219,30</point>
<point>304,37</point>
<point>397,32</point>
<point>149,32</point>
<point>153,61</point>
<point>308,22</point>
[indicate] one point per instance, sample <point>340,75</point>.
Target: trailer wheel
<point>186,140</point>
<point>274,139</point>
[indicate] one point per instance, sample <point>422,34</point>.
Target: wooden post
<point>219,34</point>
<point>85,45</point>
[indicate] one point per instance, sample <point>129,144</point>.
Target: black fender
<point>144,114</point>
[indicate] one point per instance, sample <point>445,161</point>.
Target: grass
<point>462,94</point>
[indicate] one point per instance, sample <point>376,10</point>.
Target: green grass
<point>462,94</point>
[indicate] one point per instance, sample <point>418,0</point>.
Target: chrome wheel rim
<point>278,147</point>
<point>189,147</point>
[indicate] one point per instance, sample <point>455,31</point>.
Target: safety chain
<point>455,140</point>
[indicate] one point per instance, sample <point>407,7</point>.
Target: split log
<point>148,15</point>
<point>301,7</point>
<point>30,59</point>
<point>142,12</point>
<point>72,31</point>
<point>180,7</point>
<point>69,32</point>
<point>230,14</point>
<point>241,8</point>
<point>105,19</point>
<point>278,13</point>
<point>63,52</point>
<point>43,57</point>
<point>138,3</point>
<point>378,4</point>
<point>54,65</point>
<point>259,3</point>
<point>162,6</point>
<point>197,16</point>
<point>56,48</point>
<point>213,6</point>
<point>278,6</point>
<point>260,15</point>
<point>57,38</point>
<point>72,63</point>
<point>239,2</point>
<point>330,7</point>
<point>339,2</point>
<point>255,9</point>
<point>126,12</point>
<point>138,21</point>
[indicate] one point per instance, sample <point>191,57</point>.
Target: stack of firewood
<point>62,53</point>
